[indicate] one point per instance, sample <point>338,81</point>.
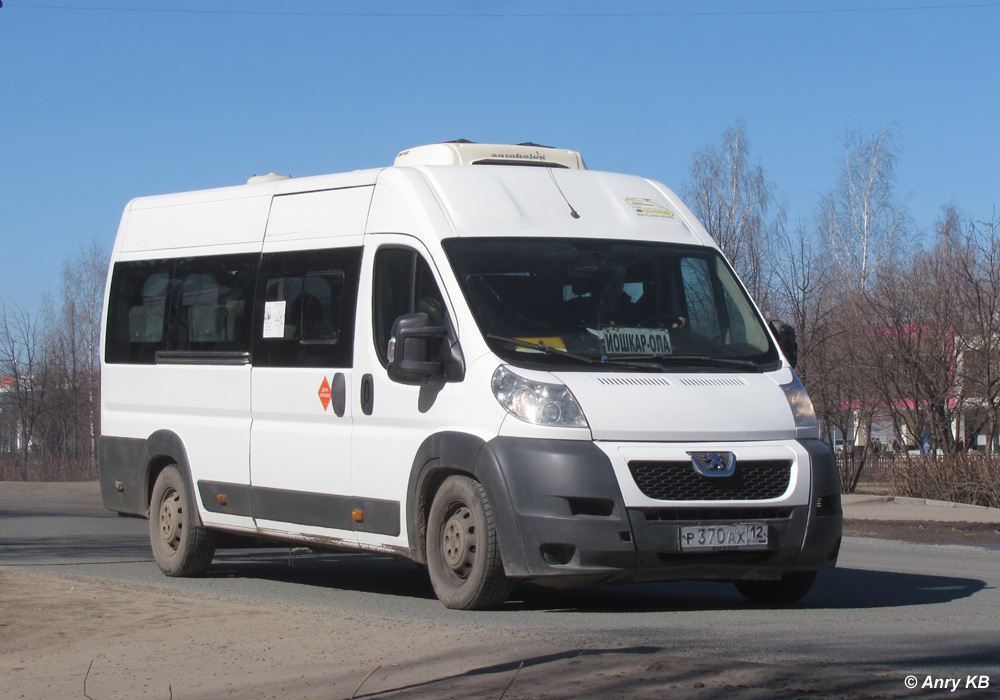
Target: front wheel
<point>463,554</point>
<point>181,547</point>
<point>788,589</point>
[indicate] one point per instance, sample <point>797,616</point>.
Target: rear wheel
<point>180,546</point>
<point>789,589</point>
<point>463,555</point>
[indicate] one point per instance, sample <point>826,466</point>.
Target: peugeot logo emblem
<point>714,463</point>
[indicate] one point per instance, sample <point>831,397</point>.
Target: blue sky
<point>105,100</point>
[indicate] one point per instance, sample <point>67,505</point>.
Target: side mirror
<point>419,351</point>
<point>785,334</point>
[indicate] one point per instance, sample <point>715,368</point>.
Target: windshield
<point>577,303</point>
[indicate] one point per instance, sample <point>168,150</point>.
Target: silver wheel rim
<point>170,519</point>
<point>458,541</point>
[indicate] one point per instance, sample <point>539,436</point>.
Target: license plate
<point>722,538</point>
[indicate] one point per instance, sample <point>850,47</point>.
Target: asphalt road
<point>890,607</point>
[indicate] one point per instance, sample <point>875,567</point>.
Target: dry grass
<point>12,469</point>
<point>972,479</point>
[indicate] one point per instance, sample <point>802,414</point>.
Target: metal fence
<point>882,467</point>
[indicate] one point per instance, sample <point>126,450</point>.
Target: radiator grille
<point>754,480</point>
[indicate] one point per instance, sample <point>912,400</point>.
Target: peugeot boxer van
<point>487,359</point>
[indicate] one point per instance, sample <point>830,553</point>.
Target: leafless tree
<point>934,323</point>
<point>913,338</point>
<point>804,296</point>
<point>974,272</point>
<point>49,364</point>
<point>861,217</point>
<point>66,436</point>
<point>804,292</point>
<point>855,402</point>
<point>74,339</point>
<point>736,203</point>
<point>857,228</point>
<point>22,361</point>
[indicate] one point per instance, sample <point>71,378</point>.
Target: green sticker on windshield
<point>648,209</point>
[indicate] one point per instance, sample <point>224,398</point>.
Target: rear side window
<point>305,309</point>
<point>199,305</point>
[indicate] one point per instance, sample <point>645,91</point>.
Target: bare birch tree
<point>736,203</point>
<point>75,339</point>
<point>861,217</point>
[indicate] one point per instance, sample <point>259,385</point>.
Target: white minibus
<point>487,359</point>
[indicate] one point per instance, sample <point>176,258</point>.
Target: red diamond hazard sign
<point>325,394</point>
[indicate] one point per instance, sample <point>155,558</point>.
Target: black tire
<point>789,589</point>
<point>181,547</point>
<point>463,554</point>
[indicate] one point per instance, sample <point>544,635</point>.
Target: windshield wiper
<point>709,361</point>
<point>542,347</point>
<point>549,350</point>
<point>636,361</point>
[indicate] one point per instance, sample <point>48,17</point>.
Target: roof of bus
<point>475,200</point>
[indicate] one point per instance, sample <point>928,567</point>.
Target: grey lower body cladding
<point>302,508</point>
<point>559,511</point>
<point>126,467</point>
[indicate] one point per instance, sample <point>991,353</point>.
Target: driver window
<point>403,284</point>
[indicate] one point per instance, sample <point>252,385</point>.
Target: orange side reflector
<point>359,516</point>
<point>221,498</point>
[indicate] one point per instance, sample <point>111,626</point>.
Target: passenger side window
<point>182,304</point>
<point>403,284</point>
<point>306,308</point>
<point>214,305</point>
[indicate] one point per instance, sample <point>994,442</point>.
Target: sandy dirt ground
<point>63,637</point>
<point>969,534</point>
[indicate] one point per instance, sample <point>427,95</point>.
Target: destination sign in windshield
<point>635,341</point>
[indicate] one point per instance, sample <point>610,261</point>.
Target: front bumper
<point>563,520</point>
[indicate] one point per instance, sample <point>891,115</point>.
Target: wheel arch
<point>442,455</point>
<point>163,448</point>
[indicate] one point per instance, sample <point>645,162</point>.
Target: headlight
<point>800,403</point>
<point>537,402</point>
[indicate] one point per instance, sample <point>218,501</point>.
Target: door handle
<point>339,394</point>
<point>367,394</point>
